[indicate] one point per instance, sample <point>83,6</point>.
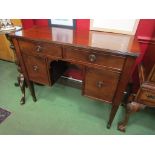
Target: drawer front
<point>36,68</point>
<point>100,84</point>
<point>40,48</point>
<point>146,97</point>
<point>92,57</point>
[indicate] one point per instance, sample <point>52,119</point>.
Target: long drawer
<point>146,97</point>
<point>94,57</point>
<point>40,48</point>
<point>100,84</point>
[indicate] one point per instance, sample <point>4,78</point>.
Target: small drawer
<point>100,84</point>
<point>36,69</point>
<point>146,97</point>
<point>40,48</point>
<point>94,57</point>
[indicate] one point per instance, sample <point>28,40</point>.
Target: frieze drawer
<point>99,58</point>
<point>40,48</point>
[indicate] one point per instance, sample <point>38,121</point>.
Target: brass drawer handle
<point>150,96</point>
<point>35,68</point>
<point>92,58</point>
<point>38,48</point>
<point>99,84</point>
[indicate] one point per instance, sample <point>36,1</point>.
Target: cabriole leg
<point>22,85</point>
<point>130,108</point>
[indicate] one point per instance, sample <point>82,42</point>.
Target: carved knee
<point>135,107</point>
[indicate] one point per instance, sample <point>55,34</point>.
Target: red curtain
<point>27,23</point>
<point>81,24</point>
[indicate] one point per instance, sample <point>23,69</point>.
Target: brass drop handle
<point>38,48</point>
<point>99,84</point>
<point>150,96</point>
<point>92,58</point>
<point>35,68</point>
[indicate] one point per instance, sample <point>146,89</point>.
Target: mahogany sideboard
<point>106,59</point>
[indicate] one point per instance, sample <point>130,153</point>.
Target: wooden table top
<point>112,42</point>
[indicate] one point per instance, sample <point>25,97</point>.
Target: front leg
<point>112,115</point>
<point>130,108</point>
<point>22,84</point>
